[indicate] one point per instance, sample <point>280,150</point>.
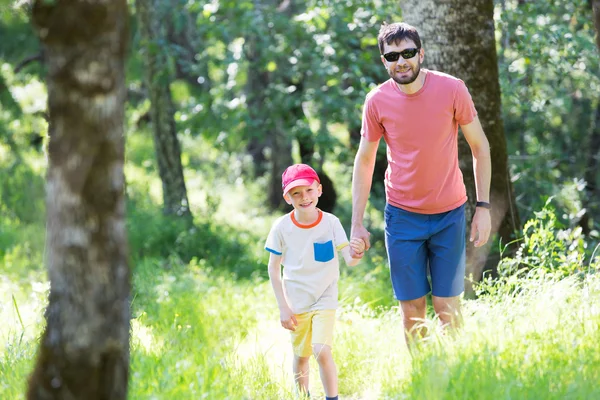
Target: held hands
<point>361,233</point>
<point>357,247</point>
<point>287,318</point>
<point>481,226</point>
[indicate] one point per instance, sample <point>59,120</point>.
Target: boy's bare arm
<point>286,316</point>
<point>358,246</point>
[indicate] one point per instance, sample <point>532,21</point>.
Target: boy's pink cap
<point>298,175</point>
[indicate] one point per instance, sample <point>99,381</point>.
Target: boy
<point>306,242</point>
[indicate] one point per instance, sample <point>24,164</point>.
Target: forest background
<point>220,97</point>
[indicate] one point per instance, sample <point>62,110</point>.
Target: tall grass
<point>198,333</point>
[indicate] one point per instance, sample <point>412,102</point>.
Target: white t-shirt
<point>310,260</point>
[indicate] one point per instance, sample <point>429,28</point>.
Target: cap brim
<point>296,183</point>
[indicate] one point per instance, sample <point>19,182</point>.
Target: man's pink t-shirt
<point>421,133</point>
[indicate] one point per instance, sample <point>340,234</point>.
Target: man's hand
<point>359,232</point>
<point>481,226</point>
<point>357,247</point>
<point>287,318</point>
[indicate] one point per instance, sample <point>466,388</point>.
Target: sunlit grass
<point>196,333</point>
<point>22,302</point>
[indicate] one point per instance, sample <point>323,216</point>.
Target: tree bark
<point>458,38</point>
<point>84,350</point>
<point>260,131</point>
<point>593,149</point>
<point>281,158</point>
<point>158,79</point>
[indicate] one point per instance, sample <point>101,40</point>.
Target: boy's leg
<point>301,371</point>
<point>327,369</point>
<point>323,322</point>
<point>301,343</point>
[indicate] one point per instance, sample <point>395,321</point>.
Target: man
<point>417,112</point>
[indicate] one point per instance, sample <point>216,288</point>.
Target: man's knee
<point>413,310</point>
<point>414,307</point>
<point>447,308</point>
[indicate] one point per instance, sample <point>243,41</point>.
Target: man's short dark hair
<point>397,32</point>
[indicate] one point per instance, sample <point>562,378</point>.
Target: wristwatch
<point>483,204</point>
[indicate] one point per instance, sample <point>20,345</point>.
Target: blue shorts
<point>419,245</point>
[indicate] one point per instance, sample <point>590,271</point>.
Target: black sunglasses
<point>406,54</point>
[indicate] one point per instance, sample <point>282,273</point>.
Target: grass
<point>199,334</point>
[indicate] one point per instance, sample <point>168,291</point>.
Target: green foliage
<point>22,193</point>
<point>154,235</point>
<point>547,251</point>
<point>368,283</point>
<point>547,246</point>
<point>549,75</point>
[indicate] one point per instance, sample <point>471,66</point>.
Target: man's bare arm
<point>482,169</point>
<point>362,178</point>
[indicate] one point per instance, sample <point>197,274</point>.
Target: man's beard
<point>409,79</point>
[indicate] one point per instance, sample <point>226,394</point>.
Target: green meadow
<point>206,327</point>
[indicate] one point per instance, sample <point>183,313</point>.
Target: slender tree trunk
<point>596,10</point>
<point>591,172</point>
<point>593,155</point>
<point>260,132</point>
<point>269,143</point>
<point>84,350</point>
<point>158,79</point>
<point>281,158</point>
<point>458,38</point>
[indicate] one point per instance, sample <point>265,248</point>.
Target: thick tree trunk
<point>258,80</point>
<point>458,38</point>
<point>84,351</point>
<point>157,78</point>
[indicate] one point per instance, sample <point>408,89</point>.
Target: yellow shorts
<point>314,327</point>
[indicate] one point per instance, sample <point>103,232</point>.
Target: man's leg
<point>447,265</point>
<point>413,314</point>
<point>448,311</point>
<point>406,234</point>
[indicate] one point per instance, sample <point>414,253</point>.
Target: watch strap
<point>483,204</point>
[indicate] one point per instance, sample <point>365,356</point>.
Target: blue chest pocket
<point>324,251</point>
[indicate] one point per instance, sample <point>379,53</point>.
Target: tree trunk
<point>259,130</point>
<point>458,38</point>
<point>281,158</point>
<point>593,149</point>
<point>157,79</point>
<point>84,350</point>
